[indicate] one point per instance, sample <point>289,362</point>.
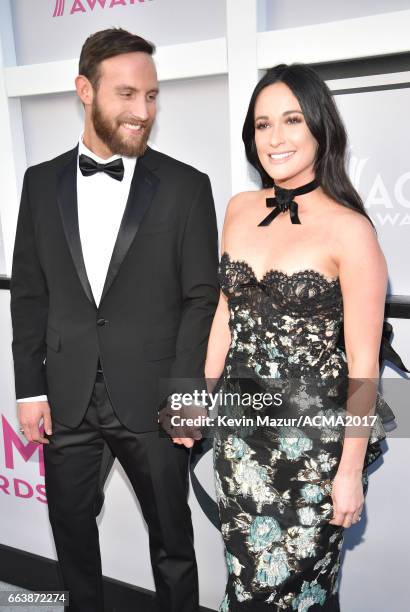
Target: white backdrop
<point>193,125</point>
<point>275,14</point>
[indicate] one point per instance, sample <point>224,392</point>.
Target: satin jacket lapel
<point>143,186</point>
<point>67,201</point>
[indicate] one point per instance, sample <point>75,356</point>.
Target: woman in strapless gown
<point>291,282</point>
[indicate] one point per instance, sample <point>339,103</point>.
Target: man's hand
<point>181,432</point>
<point>30,415</point>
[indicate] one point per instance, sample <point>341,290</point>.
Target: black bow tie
<point>89,166</point>
<point>283,201</point>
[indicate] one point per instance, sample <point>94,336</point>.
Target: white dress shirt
<point>101,204</point>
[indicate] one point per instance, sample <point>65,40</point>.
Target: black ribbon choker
<point>283,201</point>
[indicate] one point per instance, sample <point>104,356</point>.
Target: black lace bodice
<point>283,324</point>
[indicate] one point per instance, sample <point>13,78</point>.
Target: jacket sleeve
<point>200,291</point>
<point>28,304</point>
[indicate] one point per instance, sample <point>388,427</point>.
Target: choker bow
<point>284,201</point>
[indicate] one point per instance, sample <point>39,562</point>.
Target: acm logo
<point>386,206</point>
<point>14,447</point>
<point>83,6</point>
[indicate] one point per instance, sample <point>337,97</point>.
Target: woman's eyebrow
<point>289,112</point>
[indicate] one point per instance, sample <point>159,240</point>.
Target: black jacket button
<point>101,322</point>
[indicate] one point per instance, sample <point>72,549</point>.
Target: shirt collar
<point>129,162</point>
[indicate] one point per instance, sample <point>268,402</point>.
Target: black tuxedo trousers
<point>152,324</point>
<point>158,472</point>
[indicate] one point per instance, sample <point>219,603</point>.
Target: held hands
<point>179,424</point>
<point>29,415</point>
<point>188,442</point>
<point>348,498</point>
<point>192,431</point>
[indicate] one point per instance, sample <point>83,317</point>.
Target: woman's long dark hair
<point>325,125</point>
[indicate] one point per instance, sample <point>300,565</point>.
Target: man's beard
<point>109,132</point>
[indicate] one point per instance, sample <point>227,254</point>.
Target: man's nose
<point>140,109</point>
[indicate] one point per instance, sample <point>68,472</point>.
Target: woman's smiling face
<point>285,146</point>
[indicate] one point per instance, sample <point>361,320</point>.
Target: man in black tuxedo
<point>113,288</point>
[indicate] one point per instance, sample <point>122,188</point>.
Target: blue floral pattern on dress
<point>274,487</point>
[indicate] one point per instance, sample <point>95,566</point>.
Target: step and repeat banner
<point>380,169</point>
<point>193,126</point>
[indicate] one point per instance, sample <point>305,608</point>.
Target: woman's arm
<point>220,335</point>
<point>363,279</point>
<point>219,341</point>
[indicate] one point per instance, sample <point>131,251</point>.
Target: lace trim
<point>308,272</point>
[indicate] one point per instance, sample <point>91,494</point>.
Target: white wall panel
<point>276,14</point>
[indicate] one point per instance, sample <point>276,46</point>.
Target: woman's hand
<point>348,498</point>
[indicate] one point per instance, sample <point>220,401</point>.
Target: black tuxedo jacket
<point>158,301</point>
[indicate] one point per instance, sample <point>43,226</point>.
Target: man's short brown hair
<point>109,43</point>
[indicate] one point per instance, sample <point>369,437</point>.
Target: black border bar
<point>38,573</point>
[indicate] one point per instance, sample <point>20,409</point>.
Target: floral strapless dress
<point>274,484</point>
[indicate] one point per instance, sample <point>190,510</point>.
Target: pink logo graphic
<point>59,8</point>
<point>12,440</point>
<point>82,6</point>
<point>13,446</point>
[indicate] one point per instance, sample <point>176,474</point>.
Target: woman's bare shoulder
<point>239,204</point>
<point>350,222</point>
<point>354,238</point>
<point>236,214</point>
<point>345,222</point>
